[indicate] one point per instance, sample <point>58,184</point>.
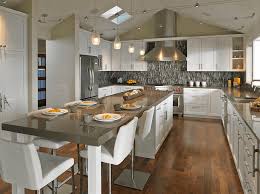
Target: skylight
<point>116,15</point>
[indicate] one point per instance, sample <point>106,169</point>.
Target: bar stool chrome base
<point>138,182</point>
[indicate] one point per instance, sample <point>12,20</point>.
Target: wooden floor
<point>195,159</point>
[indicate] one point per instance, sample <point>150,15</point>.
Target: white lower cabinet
<point>115,89</point>
<point>202,102</point>
<point>162,125</point>
<point>244,146</point>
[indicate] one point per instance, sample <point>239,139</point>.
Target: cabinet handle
<point>1,103</point>
<point>254,153</point>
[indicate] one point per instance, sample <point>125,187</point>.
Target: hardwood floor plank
<point>195,159</point>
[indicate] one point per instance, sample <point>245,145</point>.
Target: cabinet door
<point>13,81</point>
<point>116,60</point>
<point>139,64</point>
<point>208,46</point>
<point>84,37</point>
<point>215,102</point>
<point>223,54</point>
<point>126,58</point>
<point>193,54</point>
<point>12,32</point>
<point>106,55</point>
<point>159,125</point>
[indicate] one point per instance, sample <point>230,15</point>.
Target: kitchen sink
<point>244,99</point>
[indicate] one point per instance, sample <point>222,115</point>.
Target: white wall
<point>61,71</point>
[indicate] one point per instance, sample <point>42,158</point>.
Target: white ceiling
<point>216,12</point>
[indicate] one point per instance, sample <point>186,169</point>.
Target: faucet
<point>255,84</point>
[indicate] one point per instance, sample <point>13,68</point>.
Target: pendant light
<point>131,48</point>
<point>142,50</point>
<point>117,42</point>
<point>95,36</point>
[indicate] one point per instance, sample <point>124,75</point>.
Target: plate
<point>88,103</point>
<point>130,106</point>
<point>55,111</point>
<point>107,117</point>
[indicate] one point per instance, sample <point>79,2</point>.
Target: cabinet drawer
<point>196,99</point>
<point>195,109</point>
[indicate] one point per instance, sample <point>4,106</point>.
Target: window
<point>256,59</point>
<point>116,15</point>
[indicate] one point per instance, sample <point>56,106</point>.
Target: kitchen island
<point>72,127</point>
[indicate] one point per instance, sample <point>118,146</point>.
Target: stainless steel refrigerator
<point>89,76</point>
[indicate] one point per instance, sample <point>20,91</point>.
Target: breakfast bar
<point>75,128</point>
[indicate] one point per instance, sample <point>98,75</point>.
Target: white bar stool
<point>116,149</point>
<point>23,166</point>
<point>132,178</point>
<point>53,146</point>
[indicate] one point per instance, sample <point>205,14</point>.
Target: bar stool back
<point>132,178</point>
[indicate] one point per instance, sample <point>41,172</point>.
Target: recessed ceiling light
<point>201,23</point>
<point>144,11</point>
<point>161,26</point>
<point>197,4</point>
<point>138,28</point>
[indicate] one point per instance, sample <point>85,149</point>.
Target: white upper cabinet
<point>85,45</point>
<point>106,52</point>
<point>208,46</point>
<point>210,54</point>
<point>116,60</point>
<point>13,28</point>
<point>200,54</point>
<point>122,60</point>
<point>193,54</point>
<point>126,57</point>
<point>223,54</point>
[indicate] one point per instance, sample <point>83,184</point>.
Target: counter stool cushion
<point>53,166</point>
<point>50,144</point>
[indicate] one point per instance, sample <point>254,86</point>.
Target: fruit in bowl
<point>131,81</point>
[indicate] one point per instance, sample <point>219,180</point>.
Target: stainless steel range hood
<point>165,26</point>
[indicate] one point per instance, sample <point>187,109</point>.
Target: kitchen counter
<point>243,109</point>
<point>70,127</point>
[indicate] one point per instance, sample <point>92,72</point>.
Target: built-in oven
<point>178,104</point>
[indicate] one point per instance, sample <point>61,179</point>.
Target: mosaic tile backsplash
<point>169,73</point>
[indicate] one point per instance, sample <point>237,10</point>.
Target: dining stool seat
<point>22,165</point>
<point>50,144</point>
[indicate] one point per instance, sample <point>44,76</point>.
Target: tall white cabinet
<point>13,65</point>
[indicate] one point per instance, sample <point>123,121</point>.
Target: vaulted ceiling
<point>231,14</point>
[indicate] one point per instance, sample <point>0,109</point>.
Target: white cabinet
<point>105,91</point>
<point>122,60</point>
<point>193,54</point>
<point>13,27</point>
<point>116,60</point>
<point>215,103</point>
<point>202,102</point>
<point>208,46</point>
<point>200,54</point>
<point>85,45</point>
<point>14,70</point>
<point>209,54</point>
<point>223,53</point>
<point>126,58</point>
<point>106,52</point>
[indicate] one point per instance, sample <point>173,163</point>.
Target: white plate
<point>114,117</point>
<point>88,103</point>
<point>62,111</point>
<point>133,107</point>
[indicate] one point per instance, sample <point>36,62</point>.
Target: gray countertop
<point>71,127</point>
<point>243,109</point>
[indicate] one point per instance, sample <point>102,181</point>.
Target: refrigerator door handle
<point>93,78</point>
<point>90,79</point>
